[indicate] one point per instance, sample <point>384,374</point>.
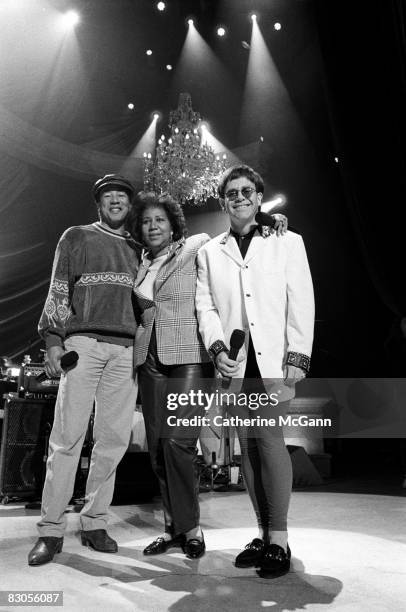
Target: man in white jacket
<point>256,281</point>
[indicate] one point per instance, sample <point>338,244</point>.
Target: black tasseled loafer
<point>275,562</point>
<point>251,555</point>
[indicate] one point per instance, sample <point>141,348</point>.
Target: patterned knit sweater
<point>91,285</point>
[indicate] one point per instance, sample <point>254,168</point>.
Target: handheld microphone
<point>236,342</point>
<point>67,360</point>
<point>265,219</point>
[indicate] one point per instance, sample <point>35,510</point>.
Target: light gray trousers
<point>104,374</point>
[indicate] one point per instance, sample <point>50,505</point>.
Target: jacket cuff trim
<point>216,348</point>
<point>299,360</point>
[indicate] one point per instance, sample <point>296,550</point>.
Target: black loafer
<point>275,562</point>
<point>99,540</point>
<point>160,545</point>
<point>44,550</point>
<point>194,548</point>
<point>251,555</point>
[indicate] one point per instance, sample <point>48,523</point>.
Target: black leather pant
<point>173,448</point>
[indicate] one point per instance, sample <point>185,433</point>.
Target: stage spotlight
<point>155,116</point>
<point>221,31</point>
<point>130,105</point>
<point>148,52</point>
<point>278,200</point>
<point>70,19</point>
<point>218,147</point>
<point>161,6</point>
<point>253,17</point>
<point>336,160</point>
<point>190,22</point>
<point>169,66</point>
<point>277,26</point>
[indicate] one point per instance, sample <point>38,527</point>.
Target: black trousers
<point>173,447</point>
<point>266,463</point>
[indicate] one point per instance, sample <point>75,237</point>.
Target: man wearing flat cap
<point>89,310</point>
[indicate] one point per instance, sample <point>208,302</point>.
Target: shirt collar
<point>247,235</point>
<point>263,230</point>
<point>173,248</point>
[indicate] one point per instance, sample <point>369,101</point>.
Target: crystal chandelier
<point>184,167</point>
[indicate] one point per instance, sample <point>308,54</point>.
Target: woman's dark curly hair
<point>150,199</point>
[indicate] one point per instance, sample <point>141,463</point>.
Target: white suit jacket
<point>268,294</point>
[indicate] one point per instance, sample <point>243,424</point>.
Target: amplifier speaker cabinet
<point>26,427</point>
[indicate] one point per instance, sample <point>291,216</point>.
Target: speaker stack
<point>26,427</point>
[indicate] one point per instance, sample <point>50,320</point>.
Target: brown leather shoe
<point>99,540</point>
<point>44,550</point>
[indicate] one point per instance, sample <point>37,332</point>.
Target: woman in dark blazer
<point>170,358</point>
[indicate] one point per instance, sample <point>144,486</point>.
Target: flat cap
<point>112,180</point>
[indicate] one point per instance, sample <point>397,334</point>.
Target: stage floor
<point>348,554</point>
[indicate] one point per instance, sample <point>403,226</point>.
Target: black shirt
<point>244,241</point>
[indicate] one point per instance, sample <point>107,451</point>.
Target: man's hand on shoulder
<point>226,366</point>
<point>53,361</point>
<point>281,224</point>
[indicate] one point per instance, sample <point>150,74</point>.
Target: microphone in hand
<point>264,219</point>
<point>236,341</point>
<point>67,360</point>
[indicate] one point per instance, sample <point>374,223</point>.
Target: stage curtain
<point>45,187</point>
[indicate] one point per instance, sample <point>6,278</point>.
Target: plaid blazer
<point>173,309</point>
